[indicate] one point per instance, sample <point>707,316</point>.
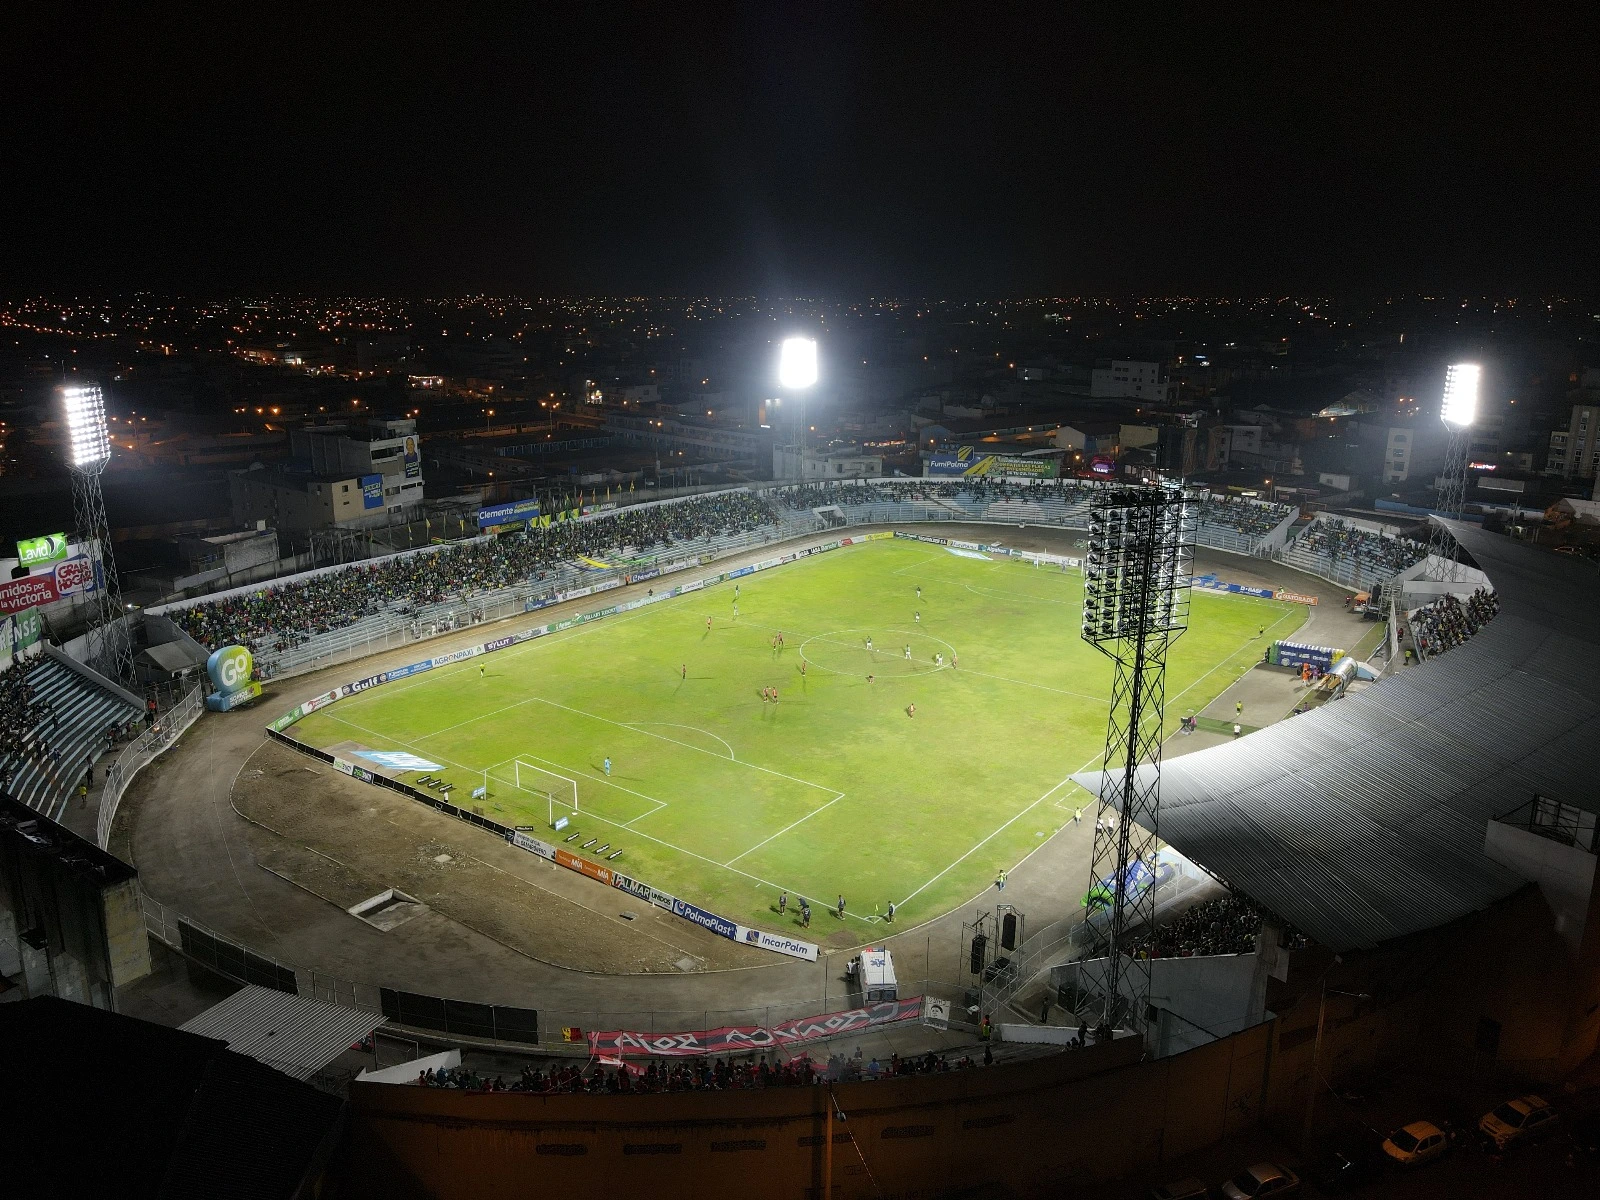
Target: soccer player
<point>783,902</point>
<point>908,651</point>
<point>608,767</point>
<point>774,695</point>
<point>911,710</point>
<point>736,591</point>
<point>955,660</point>
<point>805,913</point>
<point>480,670</point>
<point>919,616</point>
<point>683,671</point>
<point>708,624</point>
<point>840,909</point>
<point>938,660</point>
<point>736,610</point>
<point>869,643</point>
<point>870,678</point>
<point>1238,708</point>
<point>802,666</point>
<point>919,591</point>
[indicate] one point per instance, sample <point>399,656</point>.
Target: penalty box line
<point>619,825</point>
<point>659,804</point>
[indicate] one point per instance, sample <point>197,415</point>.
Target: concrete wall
<point>1033,1128</point>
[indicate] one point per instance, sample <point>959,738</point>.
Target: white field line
<point>659,804</point>
<point>638,833</point>
<point>785,829</point>
<point>693,728</point>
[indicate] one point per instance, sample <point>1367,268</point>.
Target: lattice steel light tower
<point>89,450</point>
<point>1459,412</point>
<point>1136,587</point>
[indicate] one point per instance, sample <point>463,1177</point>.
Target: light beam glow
<point>797,362</point>
<point>1461,394</point>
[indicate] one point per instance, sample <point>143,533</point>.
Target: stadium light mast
<point>1459,413</point>
<point>110,646</point>
<point>1137,577</point>
<point>797,372</point>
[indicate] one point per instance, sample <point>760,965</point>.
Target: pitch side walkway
<point>198,856</point>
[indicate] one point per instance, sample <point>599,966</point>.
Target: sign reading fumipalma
<point>35,552</point>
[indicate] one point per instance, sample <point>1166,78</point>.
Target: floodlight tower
<point>797,372</point>
<point>110,646</point>
<point>1136,585</point>
<point>1459,412</point>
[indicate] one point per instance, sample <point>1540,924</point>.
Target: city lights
<point>1461,394</point>
<point>86,427</point>
<point>797,362</point>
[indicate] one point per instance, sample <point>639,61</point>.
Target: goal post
<point>535,780</point>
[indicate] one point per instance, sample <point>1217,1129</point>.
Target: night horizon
<point>802,152</point>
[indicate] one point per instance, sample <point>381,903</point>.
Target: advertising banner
<point>36,552</point>
<point>718,925</point>
<point>1295,654</point>
<point>514,512</point>
<point>583,866</point>
<point>31,590</point>
<point>777,943</point>
<point>230,669</point>
<point>966,464</point>
<point>413,459</point>
<point>372,491</point>
<point>26,630</point>
<point>1293,597</point>
<point>737,1039</point>
<point>499,643</point>
<point>534,846</point>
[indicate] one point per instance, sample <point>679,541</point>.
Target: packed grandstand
<point>279,617</point>
<point>1448,623</point>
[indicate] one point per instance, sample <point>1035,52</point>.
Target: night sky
<point>801,149</point>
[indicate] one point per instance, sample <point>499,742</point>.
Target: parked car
<point>1260,1181</point>
<point>1352,1162</point>
<point>1416,1143</point>
<point>1525,1119</point>
<point>1182,1189</point>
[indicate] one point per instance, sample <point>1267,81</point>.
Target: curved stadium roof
<point>1364,820</point>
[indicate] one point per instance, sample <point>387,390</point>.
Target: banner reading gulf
<point>229,670</point>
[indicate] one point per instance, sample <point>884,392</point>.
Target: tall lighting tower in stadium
<point>1136,585</point>
<point>89,450</point>
<point>1459,412</point>
<point>797,372</point>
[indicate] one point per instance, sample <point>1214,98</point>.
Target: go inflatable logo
<point>229,670</point>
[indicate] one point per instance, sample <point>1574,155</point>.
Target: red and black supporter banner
<point>737,1039</point>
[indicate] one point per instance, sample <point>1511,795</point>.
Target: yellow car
<point>1416,1143</point>
<point>1525,1119</point>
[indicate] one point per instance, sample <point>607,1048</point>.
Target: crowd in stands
<point>1250,518</point>
<point>695,1074</point>
<point>1382,556</point>
<point>286,614</point>
<point>1227,925</point>
<point>1447,622</point>
<point>21,717</point>
<point>901,491</point>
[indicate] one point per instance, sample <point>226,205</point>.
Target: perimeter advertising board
<point>513,512</point>
<point>36,552</point>
<point>969,465</point>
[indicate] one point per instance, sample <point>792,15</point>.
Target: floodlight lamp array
<point>89,438</point>
<point>797,363</point>
<point>1136,572</point>
<point>1460,408</point>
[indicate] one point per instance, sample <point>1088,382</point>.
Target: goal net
<point>560,791</point>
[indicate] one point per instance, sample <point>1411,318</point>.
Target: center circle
<point>844,652</point>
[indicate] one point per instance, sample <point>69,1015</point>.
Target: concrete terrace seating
<point>1354,557</point>
<point>82,713</point>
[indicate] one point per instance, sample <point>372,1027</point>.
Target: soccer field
<point>724,799</point>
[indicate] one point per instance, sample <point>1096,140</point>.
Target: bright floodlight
<point>1461,394</point>
<point>797,362</point>
<point>86,426</point>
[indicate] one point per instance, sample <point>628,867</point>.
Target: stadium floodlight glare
<point>86,427</point>
<point>1461,394</point>
<point>797,363</point>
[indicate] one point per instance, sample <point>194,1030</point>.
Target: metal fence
<point>138,754</point>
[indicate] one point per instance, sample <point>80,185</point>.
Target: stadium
<point>585,803</point>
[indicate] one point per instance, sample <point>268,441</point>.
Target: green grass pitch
<point>724,799</point>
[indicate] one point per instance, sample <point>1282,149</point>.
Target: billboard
<point>36,552</point>
<point>230,669</point>
<point>413,459</point>
<point>514,512</point>
<point>964,463</point>
<point>372,491</point>
<point>71,577</point>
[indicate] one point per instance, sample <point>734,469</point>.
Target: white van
<point>875,970</point>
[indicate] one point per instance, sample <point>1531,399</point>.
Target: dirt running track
<point>269,847</point>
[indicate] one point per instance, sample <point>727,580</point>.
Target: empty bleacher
<point>71,711</point>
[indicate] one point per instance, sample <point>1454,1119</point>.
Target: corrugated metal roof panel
<point>291,1033</point>
<point>1364,821</point>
